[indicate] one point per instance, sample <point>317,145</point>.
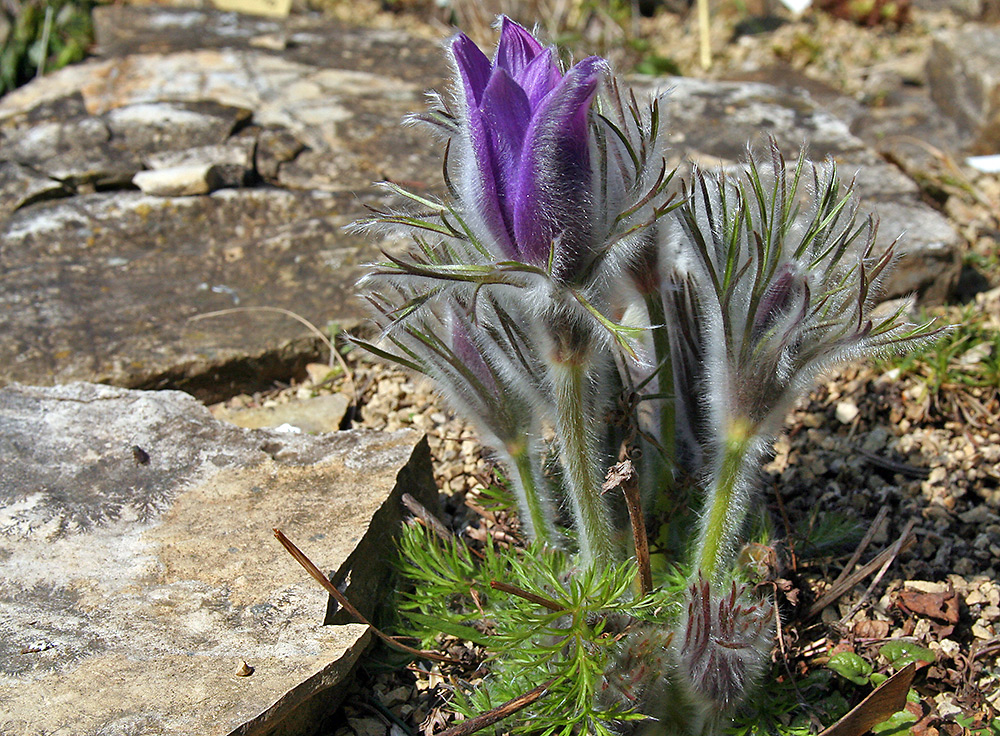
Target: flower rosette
<point>515,300</point>
<point>554,185</point>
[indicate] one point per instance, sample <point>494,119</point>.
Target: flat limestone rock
<point>964,75</point>
<point>316,414</point>
<point>102,285</point>
<point>19,186</point>
<point>106,284</point>
<point>139,570</point>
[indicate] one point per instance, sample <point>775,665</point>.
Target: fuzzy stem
<point>579,457</point>
<point>724,513</point>
<point>664,471</point>
<point>525,480</point>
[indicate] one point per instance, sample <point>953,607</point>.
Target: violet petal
<point>540,77</point>
<point>489,190</point>
<point>552,192</point>
<point>473,66</point>
<point>517,48</point>
<point>507,114</point>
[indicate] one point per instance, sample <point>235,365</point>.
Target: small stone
<point>936,512</point>
<point>948,647</point>
<point>890,376</point>
<point>318,372</point>
<point>876,440</point>
<point>982,632</point>
<point>244,670</point>
<point>367,726</point>
<point>965,566</point>
<point>937,475</point>
<point>270,41</point>
<point>177,181</point>
<point>402,711</point>
<point>396,696</point>
<point>978,515</point>
<point>847,412</point>
<point>992,592</point>
<point>926,586</point>
<point>922,628</point>
<point>946,707</point>
<point>811,420</point>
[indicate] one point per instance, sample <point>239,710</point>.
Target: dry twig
<point>330,588</point>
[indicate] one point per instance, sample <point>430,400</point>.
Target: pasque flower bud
<point>529,134</point>
<point>724,644</point>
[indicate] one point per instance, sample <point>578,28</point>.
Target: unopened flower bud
<point>725,642</point>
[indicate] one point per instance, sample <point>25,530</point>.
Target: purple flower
<point>529,174</point>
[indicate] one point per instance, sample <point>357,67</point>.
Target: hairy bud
<point>724,644</point>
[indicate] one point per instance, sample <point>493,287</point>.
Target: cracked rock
<point>137,548</point>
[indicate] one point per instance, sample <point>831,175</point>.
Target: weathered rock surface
<point>969,9</point>
<point>139,570</point>
<point>964,76</point>
<point>289,121</point>
<point>100,280</point>
<point>322,413</point>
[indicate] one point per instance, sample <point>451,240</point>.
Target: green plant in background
<point>41,35</point>
<point>971,727</point>
<point>579,311</point>
<point>898,653</point>
<point>960,373</point>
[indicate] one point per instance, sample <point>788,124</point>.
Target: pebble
<point>177,181</point>
<point>922,629</point>
<point>318,372</point>
<point>978,515</point>
<point>846,412</point>
<point>982,632</point>
<point>992,592</point>
<point>367,726</point>
<point>946,707</point>
<point>965,566</point>
<point>947,647</point>
<point>926,586</point>
<point>876,440</point>
<point>402,711</point>
<point>397,696</point>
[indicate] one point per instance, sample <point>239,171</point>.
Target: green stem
<point>580,459</point>
<point>525,481</point>
<point>725,512</point>
<point>664,473</point>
